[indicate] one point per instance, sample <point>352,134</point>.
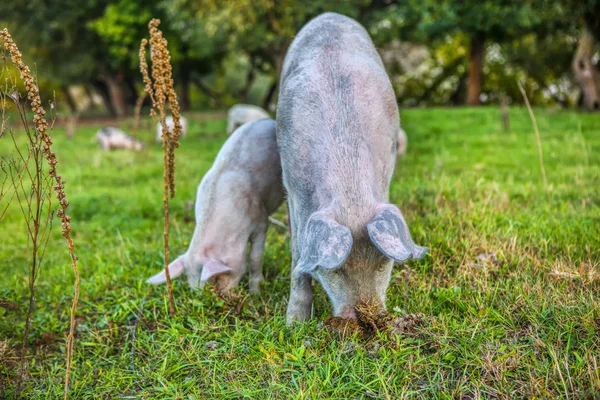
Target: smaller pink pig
<point>233,204</point>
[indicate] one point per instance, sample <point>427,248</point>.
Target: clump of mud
<point>345,327</point>
<point>371,319</point>
<point>407,324</point>
<point>5,352</point>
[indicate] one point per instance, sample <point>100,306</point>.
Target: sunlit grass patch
<point>508,296</point>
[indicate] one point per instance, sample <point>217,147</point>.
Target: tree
<point>263,30</point>
<point>57,37</point>
<point>259,29</point>
<point>120,29</point>
<point>586,14</point>
<point>198,47</point>
<point>483,21</point>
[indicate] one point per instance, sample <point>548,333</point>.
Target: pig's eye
<point>381,268</point>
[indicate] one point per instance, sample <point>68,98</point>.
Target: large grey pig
<point>241,113</point>
<point>113,138</point>
<point>233,203</point>
<point>337,128</point>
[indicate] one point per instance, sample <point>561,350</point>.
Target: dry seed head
<point>41,125</point>
<point>144,71</point>
<point>162,90</point>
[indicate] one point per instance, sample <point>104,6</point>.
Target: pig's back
<point>337,116</point>
<point>247,170</point>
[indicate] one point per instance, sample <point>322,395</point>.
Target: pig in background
<point>233,204</point>
<point>337,132</point>
<point>240,114</point>
<point>111,138</point>
<point>171,126</point>
<point>402,142</point>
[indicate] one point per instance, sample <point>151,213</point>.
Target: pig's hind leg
<point>255,258</point>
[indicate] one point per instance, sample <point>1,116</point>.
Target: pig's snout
<point>347,312</point>
<point>362,307</point>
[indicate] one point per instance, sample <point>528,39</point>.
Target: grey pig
<point>242,113</point>
<point>171,125</point>
<point>337,131</point>
<point>402,142</point>
<point>233,203</point>
<point>113,138</point>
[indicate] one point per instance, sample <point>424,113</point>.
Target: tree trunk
<point>210,93</point>
<point>69,99</point>
<point>131,92</point>
<point>279,57</point>
<point>448,71</point>
<point>71,125</point>
<point>585,71</point>
<point>90,95</point>
<point>476,69</point>
<point>249,81</point>
<point>116,91</point>
<point>504,112</point>
<point>270,94</point>
<point>102,89</point>
<point>458,96</point>
<point>185,101</point>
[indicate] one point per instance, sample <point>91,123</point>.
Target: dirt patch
<point>9,362</point>
<point>371,319</point>
<point>6,353</point>
<point>9,305</point>
<point>407,324</point>
<point>345,327</point>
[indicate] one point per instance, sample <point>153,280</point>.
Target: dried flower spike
<point>164,89</point>
<point>41,128</point>
<point>160,89</point>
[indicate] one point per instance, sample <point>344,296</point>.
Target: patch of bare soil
<point>371,319</point>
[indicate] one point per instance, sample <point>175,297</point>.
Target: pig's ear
<point>176,268</point>
<point>213,268</point>
<point>389,233</point>
<point>325,244</point>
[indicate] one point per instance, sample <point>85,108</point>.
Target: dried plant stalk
<point>136,113</point>
<point>537,136</point>
<point>42,130</point>
<point>161,69</point>
<point>33,192</point>
<point>160,89</point>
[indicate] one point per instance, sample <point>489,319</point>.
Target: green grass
<point>524,326</point>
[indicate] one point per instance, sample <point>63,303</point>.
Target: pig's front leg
<point>257,249</point>
<point>301,297</point>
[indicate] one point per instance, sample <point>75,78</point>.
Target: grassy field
<point>509,293</point>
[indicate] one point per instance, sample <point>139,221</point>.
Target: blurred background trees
<point>446,52</point>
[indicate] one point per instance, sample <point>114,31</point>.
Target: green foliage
<point>55,35</point>
<point>121,28</point>
<point>228,49</point>
<point>509,292</point>
<point>427,20</point>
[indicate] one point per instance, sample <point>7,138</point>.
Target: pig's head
<point>356,267</point>
<point>198,273</point>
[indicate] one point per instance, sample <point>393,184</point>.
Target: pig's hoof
<point>254,284</point>
<point>294,316</point>
<point>254,289</point>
